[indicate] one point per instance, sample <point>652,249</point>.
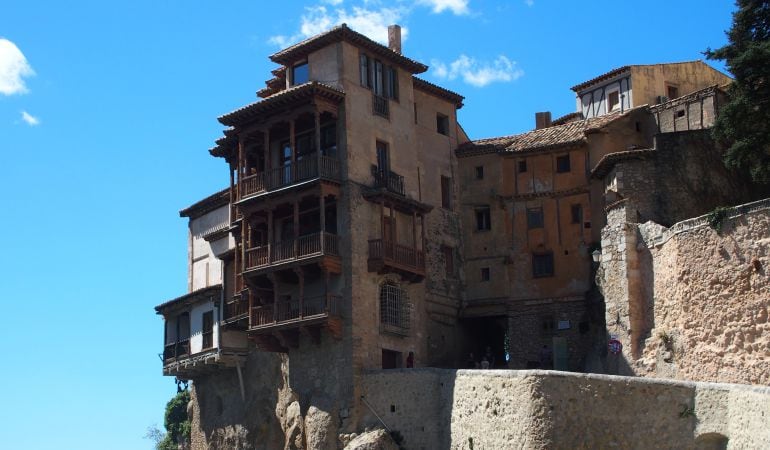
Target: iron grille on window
<point>395,310</point>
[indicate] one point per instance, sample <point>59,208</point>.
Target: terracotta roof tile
<point>609,160</point>
<point>339,33</point>
<point>570,133</point>
<point>437,90</point>
<point>210,203</point>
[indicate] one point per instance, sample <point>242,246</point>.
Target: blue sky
<point>107,110</point>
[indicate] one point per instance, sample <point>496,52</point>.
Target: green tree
<point>176,422</point>
<point>744,122</point>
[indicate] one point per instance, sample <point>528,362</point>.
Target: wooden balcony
<point>387,256</point>
<point>236,309</point>
<point>307,169</point>
<point>380,106</point>
<point>277,327</point>
<point>176,350</point>
<point>388,180</point>
<point>304,247</point>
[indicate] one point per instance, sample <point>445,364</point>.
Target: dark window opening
<point>479,172</point>
<point>485,274</point>
<point>383,162</point>
<point>415,112</point>
<point>446,192</point>
<point>300,73</point>
<point>542,265</point>
<point>562,164</point>
<point>534,218</point>
<point>391,83</point>
<point>577,213</point>
<point>522,166</point>
<point>483,219</point>
<point>672,92</point>
<point>680,113</point>
<point>548,324</point>
<point>613,101</point>
<point>442,124</point>
<point>449,260</point>
<point>365,71</point>
<point>208,329</point>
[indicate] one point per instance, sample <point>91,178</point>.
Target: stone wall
<point>464,409</point>
<point>690,302</point>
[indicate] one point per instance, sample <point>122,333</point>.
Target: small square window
<point>483,219</point>
<point>672,92</point>
<point>577,213</point>
<point>613,101</point>
<point>479,172</point>
<point>534,218</point>
<point>522,166</point>
<point>562,164</point>
<point>542,265</point>
<point>442,124</point>
<point>548,324</point>
<point>485,274</point>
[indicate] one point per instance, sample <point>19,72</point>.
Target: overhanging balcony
<point>386,256</point>
<point>310,168</point>
<point>176,350</point>
<point>236,309</point>
<point>310,246</point>
<point>388,180</point>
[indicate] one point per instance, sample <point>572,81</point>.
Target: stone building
<point>362,230</point>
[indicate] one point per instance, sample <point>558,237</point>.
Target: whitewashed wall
<point>205,267</point>
<point>592,102</point>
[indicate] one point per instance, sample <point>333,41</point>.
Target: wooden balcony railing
<point>177,349</point>
<point>391,253</point>
<point>305,169</point>
<point>310,245</point>
<point>387,179</point>
<point>380,106</point>
<point>236,309</point>
<point>295,311</point>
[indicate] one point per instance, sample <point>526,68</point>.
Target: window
<point>366,80</point>
<point>394,309</point>
<point>485,274</point>
<point>391,83</point>
<point>562,164</point>
<point>329,140</point>
<point>446,192</point>
<point>577,213</point>
<point>442,124</point>
<point>449,260</point>
<point>391,359</point>
<point>483,219</point>
<point>547,324</point>
<point>479,172</point>
<point>415,111</point>
<point>672,92</point>
<point>300,74</point>
<point>613,101</point>
<point>208,329</point>
<point>522,166</point>
<point>379,88</point>
<point>542,265</point>
<point>534,218</point>
<point>383,162</point>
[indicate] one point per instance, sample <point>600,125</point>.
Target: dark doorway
<point>486,335</point>
<point>391,359</point>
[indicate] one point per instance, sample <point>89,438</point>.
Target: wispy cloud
<point>29,119</point>
<point>478,73</point>
<point>458,7</point>
<point>529,3</point>
<point>13,69</point>
<point>369,22</point>
<point>369,17</point>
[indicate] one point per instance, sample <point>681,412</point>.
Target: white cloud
<point>458,7</point>
<point>13,68</point>
<point>529,3</point>
<point>333,2</point>
<point>477,73</point>
<point>29,119</point>
<point>369,22</point>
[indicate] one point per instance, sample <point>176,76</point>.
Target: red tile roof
<point>570,133</point>
<point>438,91</point>
<point>339,33</point>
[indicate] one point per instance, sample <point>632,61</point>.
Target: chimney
<point>542,120</point>
<point>394,38</point>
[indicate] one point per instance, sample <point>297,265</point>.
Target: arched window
<point>394,309</point>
